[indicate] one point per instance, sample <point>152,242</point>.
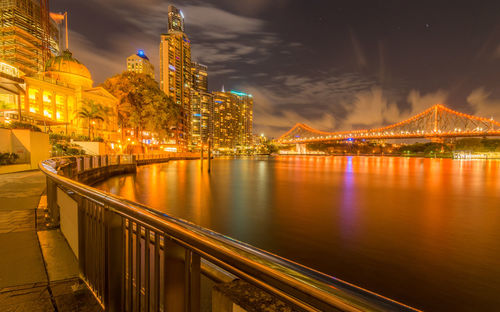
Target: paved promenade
<point>38,270</point>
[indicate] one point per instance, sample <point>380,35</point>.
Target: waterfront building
<point>175,71</point>
<point>140,63</point>
<point>202,104</point>
<point>232,120</point>
<point>244,102</point>
<point>200,76</point>
<point>29,37</point>
<point>52,98</point>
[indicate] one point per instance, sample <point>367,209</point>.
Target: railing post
<point>118,157</point>
<point>79,164</point>
<point>114,254</point>
<point>182,278</point>
<point>106,160</point>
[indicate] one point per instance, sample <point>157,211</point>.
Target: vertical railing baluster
<point>157,273</point>
<point>138,254</point>
<point>91,245</point>
<point>101,248</point>
<point>165,273</point>
<point>147,273</point>
<point>86,232</point>
<point>130,266</point>
<point>96,251</point>
<point>124,265</point>
<point>192,271</point>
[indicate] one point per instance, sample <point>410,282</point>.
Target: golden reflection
<point>357,218</point>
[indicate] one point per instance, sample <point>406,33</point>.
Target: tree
<point>92,111</point>
<point>142,105</point>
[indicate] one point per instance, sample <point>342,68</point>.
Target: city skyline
<point>319,63</point>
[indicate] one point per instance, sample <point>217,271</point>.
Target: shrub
<point>66,149</point>
<point>8,158</point>
<point>82,138</point>
<point>54,137</point>
<point>23,125</point>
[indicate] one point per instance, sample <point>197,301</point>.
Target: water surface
<point>425,232</point>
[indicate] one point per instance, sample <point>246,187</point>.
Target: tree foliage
<point>92,111</point>
<point>142,105</point>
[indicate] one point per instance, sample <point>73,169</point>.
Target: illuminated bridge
<point>436,123</point>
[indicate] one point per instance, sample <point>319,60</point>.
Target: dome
<point>66,68</point>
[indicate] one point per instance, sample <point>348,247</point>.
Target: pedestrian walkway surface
<point>38,270</point>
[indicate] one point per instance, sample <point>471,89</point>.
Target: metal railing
<point>137,259</point>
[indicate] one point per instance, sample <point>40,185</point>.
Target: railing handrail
<point>289,280</point>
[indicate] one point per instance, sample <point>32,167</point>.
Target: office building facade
<point>29,37</point>
<point>139,63</point>
<point>232,120</point>
<point>200,76</point>
<point>175,72</point>
<point>202,105</point>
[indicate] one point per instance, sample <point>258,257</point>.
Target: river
<point>425,232</point>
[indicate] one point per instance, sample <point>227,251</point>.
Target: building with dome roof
<point>53,97</point>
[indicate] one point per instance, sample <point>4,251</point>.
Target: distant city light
<point>182,14</point>
<point>141,53</point>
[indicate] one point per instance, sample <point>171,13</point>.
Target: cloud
<point>219,38</point>
<point>274,120</point>
<point>317,101</point>
<point>371,108</point>
<point>419,102</point>
<point>483,104</point>
<point>96,60</point>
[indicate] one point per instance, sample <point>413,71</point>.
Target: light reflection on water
<point>422,231</point>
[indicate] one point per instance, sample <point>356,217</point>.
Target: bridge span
<point>435,123</point>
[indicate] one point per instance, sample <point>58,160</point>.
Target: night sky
<point>330,64</point>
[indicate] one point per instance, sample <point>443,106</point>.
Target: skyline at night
<point>335,65</point>
<point>249,155</point>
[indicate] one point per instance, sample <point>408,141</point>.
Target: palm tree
<point>92,111</point>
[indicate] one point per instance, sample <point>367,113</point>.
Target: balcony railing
<point>137,259</point>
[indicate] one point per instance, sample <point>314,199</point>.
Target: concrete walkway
<point>38,270</point>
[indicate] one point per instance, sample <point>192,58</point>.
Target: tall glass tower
<point>175,72</point>
<point>175,19</point>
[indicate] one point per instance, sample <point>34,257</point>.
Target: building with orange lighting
<point>232,120</point>
<point>29,37</point>
<point>139,63</point>
<point>175,72</point>
<point>52,98</point>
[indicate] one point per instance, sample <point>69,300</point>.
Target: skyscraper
<point>200,77</point>
<point>232,120</point>
<point>201,106</point>
<point>140,63</point>
<point>201,122</point>
<point>175,71</point>
<point>29,36</point>
<point>175,19</point>
<point>244,102</point>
